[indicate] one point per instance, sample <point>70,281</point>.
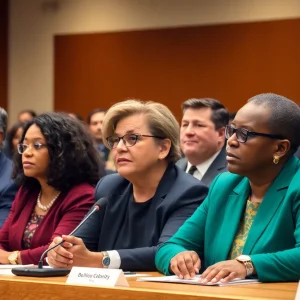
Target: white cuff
<point>115,259</point>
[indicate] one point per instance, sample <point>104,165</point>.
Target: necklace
<point>45,207</point>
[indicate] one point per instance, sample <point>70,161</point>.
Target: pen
<point>129,273</point>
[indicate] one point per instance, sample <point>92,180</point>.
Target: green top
<point>273,241</point>
<point>244,228</point>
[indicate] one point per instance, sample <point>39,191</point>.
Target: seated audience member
<point>76,116</point>
<point>202,138</point>
<point>26,115</point>
<point>12,141</point>
<point>249,224</point>
<point>94,121</point>
<point>148,200</point>
<point>57,169</point>
<point>8,188</point>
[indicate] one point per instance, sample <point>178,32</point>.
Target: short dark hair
<point>28,111</point>
<point>73,159</point>
<point>219,115</point>
<point>232,115</point>
<point>94,111</point>
<point>284,116</point>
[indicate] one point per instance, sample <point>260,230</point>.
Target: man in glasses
<point>7,187</point>
<point>202,138</point>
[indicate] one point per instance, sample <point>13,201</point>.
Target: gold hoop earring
<point>276,159</point>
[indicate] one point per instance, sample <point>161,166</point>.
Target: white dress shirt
<point>203,167</point>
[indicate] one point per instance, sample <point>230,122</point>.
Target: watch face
<point>13,256</point>
<point>106,261</point>
<point>244,258</point>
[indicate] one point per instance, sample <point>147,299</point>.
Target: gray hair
<point>3,120</point>
<point>3,123</point>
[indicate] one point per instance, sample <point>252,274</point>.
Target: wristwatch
<point>246,260</point>
<point>105,259</point>
<point>13,257</point>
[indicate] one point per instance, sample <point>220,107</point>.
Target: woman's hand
<point>72,253</point>
<point>185,264</point>
<point>4,257</point>
<point>224,271</point>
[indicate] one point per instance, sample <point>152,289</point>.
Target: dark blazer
<point>219,165</point>
<point>66,213</point>
<point>8,188</point>
<point>274,237</point>
<point>297,154</point>
<point>176,198</point>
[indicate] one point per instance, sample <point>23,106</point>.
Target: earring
<point>276,159</point>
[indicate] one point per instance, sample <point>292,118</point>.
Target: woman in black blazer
<point>148,199</point>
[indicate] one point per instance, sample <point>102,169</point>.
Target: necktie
<point>192,170</point>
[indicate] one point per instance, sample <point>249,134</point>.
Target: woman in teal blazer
<point>249,224</point>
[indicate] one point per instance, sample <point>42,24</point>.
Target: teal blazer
<point>273,240</point>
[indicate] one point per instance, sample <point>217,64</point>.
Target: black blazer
<point>8,189</point>
<point>219,165</point>
<point>176,198</point>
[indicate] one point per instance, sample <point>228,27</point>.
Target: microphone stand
<point>40,271</point>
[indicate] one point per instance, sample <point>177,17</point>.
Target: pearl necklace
<point>45,207</point>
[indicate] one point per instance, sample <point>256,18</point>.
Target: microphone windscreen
<point>101,202</point>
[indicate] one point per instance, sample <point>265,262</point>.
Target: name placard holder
<point>97,276</point>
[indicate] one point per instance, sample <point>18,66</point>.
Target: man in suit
<point>7,187</point>
<point>94,121</point>
<point>202,138</point>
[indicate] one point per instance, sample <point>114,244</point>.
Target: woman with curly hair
<point>57,169</point>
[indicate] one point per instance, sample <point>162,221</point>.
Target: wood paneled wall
<point>227,62</point>
<point>3,52</point>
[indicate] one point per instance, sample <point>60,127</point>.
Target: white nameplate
<point>97,276</point>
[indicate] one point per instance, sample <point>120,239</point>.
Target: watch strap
<point>248,265</point>
<point>14,260</point>
<point>105,259</point>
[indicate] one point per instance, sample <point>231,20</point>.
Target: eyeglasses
<point>23,147</point>
<point>242,134</point>
<point>128,139</point>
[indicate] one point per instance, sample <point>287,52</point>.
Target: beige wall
<point>33,23</point>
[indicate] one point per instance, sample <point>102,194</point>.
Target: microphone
<point>40,271</point>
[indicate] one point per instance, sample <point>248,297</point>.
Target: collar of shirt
<point>203,167</point>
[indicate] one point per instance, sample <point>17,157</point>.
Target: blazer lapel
<point>270,203</point>
<point>233,213</point>
<point>166,182</point>
<point>217,166</point>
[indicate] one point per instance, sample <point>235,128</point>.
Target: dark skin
<point>254,160</point>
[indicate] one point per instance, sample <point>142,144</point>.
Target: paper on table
<point>298,292</point>
<point>6,269</point>
<point>6,272</point>
<point>15,266</point>
<point>135,275</point>
<point>195,280</point>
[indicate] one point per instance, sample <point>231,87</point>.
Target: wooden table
<point>29,288</point>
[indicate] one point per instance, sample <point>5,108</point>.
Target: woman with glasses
<point>57,169</point>
<point>249,224</point>
<point>148,200</point>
